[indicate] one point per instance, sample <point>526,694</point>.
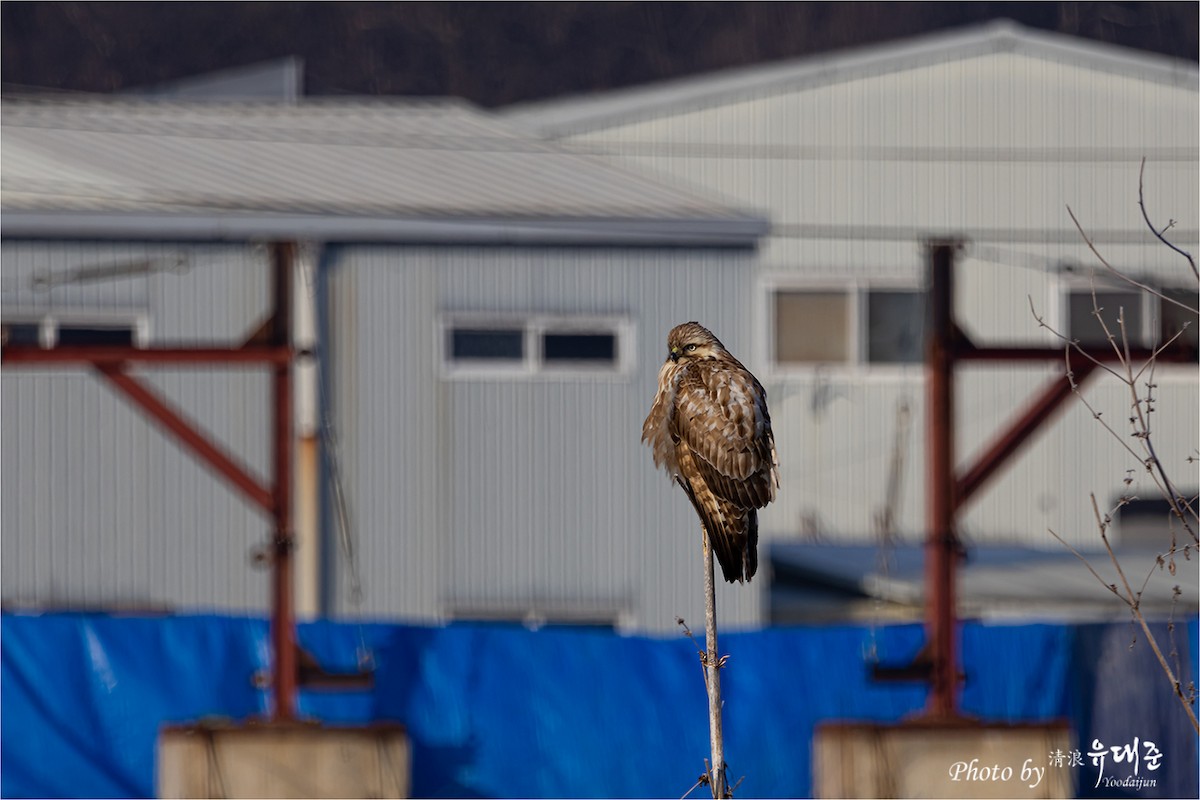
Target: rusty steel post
<point>112,362</point>
<point>947,492</point>
<point>283,617</point>
<point>941,546</point>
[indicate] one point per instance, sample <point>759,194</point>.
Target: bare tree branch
<point>1141,427</point>
<point>1091,246</point>
<point>1070,344</point>
<point>1133,602</point>
<point>1112,587</point>
<point>1159,234</point>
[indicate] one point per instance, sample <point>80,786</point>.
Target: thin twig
<point>1165,559</point>
<point>1139,421</point>
<point>1157,233</point>
<point>703,779</point>
<point>1122,275</point>
<point>1150,461</point>
<point>1158,350</point>
<point>1137,614</point>
<point>1070,344</point>
<point>1112,587</point>
<point>1140,415</point>
<point>688,633</point>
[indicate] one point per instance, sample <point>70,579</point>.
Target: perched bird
<point>710,429</point>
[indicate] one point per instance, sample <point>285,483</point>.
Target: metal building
<point>987,135</point>
<point>489,306</point>
<point>487,313</point>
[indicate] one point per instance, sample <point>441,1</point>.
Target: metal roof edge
<point>168,103</point>
<point>619,106</point>
<point>281,79</point>
<point>742,231</point>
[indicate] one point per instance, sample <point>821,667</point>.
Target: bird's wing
<point>656,429</point>
<point>731,527</point>
<point>721,413</point>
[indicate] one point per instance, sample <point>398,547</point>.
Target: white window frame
<point>857,332</point>
<point>50,322</point>
<point>532,366</point>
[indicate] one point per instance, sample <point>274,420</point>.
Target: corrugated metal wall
<point>854,171</point>
<point>98,507</point>
<point>516,496</point>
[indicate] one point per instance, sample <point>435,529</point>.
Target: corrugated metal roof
<point>561,116</point>
<point>342,162</point>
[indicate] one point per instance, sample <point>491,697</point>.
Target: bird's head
<point>691,341</point>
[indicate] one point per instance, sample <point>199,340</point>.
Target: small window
<point>75,329</point>
<point>1173,318</point>
<point>23,333</point>
<point>895,327</point>
<point>1150,320</point>
<point>579,348</point>
<point>512,347</point>
<point>848,326</point>
<point>1084,326</point>
<point>96,335</point>
<point>812,327</point>
<point>487,344</point>
<point>1148,522</point>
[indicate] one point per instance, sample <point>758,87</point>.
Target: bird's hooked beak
<point>674,354</point>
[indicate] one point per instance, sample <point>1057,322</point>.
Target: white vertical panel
<point>100,507</point>
<point>508,495</point>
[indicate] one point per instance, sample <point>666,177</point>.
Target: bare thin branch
<point>703,779</point>
<point>1161,561</point>
<point>1083,560</point>
<point>1070,344</point>
<point>1141,424</point>
<point>1133,601</point>
<point>1153,360</point>
<point>1149,459</point>
<point>1121,275</point>
<point>1157,233</point>
<point>1140,417</point>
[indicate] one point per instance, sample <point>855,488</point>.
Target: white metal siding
<point>521,495</point>
<point>99,507</point>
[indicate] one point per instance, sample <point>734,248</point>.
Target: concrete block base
<point>939,759</point>
<point>283,760</point>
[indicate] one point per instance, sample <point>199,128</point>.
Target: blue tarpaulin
<point>502,711</point>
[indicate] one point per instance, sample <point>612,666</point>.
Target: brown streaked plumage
<point>710,429</point>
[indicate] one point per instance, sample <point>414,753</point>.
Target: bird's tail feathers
<point>733,535</point>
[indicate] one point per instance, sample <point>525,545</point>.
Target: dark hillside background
<point>498,53</point>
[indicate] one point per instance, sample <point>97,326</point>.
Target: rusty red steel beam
<point>1018,431</point>
<point>116,354</point>
<point>187,433</point>
<point>942,548</point>
<point>283,613</point>
<point>286,673</point>
<point>283,620</point>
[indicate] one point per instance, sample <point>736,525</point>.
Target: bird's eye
<point>690,347</point>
